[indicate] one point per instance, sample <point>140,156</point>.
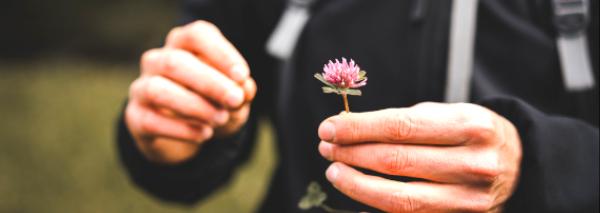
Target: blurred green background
<point>65,67</point>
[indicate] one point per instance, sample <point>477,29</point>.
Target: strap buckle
<point>571,17</point>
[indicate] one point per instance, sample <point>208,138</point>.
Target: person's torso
<point>403,46</point>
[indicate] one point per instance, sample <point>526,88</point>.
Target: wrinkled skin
<point>196,87</point>
<point>467,156</point>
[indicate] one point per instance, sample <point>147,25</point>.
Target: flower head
<point>344,74</point>
<point>342,77</point>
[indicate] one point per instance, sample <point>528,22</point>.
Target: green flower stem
<point>346,101</point>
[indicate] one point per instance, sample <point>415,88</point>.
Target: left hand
<point>467,156</point>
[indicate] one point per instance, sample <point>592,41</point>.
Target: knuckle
<point>131,116</point>
<point>467,106</point>
<point>479,122</point>
<point>135,87</point>
<point>149,90</point>
<point>481,203</point>
<point>398,126</point>
<point>481,126</point>
<point>397,161</point>
<point>203,26</point>
<point>486,169</point>
<point>426,104</point>
<point>345,154</point>
<point>149,59</point>
<point>155,90</point>
<point>174,34</point>
<point>482,132</point>
<point>190,34</point>
<point>168,61</point>
<point>402,202</point>
<point>334,153</point>
<point>147,124</point>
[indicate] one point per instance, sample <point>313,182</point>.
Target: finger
<point>149,123</point>
<point>249,89</point>
<point>236,120</point>
<point>205,39</point>
<point>184,68</point>
<point>164,93</point>
<point>439,164</point>
<point>395,196</point>
<point>442,124</point>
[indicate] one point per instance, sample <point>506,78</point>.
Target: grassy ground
<point>57,152</point>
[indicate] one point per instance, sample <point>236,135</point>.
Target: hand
<point>194,88</point>
<point>467,156</point>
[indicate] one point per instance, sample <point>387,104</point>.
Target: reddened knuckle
<point>398,126</point>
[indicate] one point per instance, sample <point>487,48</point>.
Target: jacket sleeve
<point>559,169</point>
<point>192,180</point>
<point>216,161</point>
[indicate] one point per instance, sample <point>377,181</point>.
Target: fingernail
<point>327,131</point>
<point>220,117</point>
<point>239,72</point>
<point>325,149</point>
<point>235,97</point>
<point>332,172</point>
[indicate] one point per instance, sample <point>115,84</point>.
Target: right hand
<point>196,87</point>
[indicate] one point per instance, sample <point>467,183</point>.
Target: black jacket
<point>403,46</point>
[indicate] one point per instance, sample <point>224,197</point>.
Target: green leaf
<point>356,92</point>
<point>314,197</point>
<point>362,74</point>
<point>322,79</point>
<point>305,204</point>
<point>330,90</point>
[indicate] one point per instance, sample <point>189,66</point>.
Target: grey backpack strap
<point>571,20</point>
<point>282,42</point>
<point>460,51</point>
